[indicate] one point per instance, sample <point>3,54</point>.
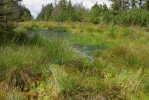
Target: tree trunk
<point>122,4</point>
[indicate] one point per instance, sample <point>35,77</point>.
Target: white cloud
<point>35,5</point>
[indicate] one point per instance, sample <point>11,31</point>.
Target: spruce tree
<point>6,20</point>
<point>62,5</point>
<point>147,5</point>
<point>70,12</point>
<point>116,5</point>
<point>94,15</point>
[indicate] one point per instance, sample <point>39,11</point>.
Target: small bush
<point>112,30</point>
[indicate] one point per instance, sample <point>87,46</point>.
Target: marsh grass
<point>50,66</point>
<point>147,28</point>
<point>125,32</point>
<point>21,30</point>
<point>65,84</point>
<point>14,96</point>
<point>23,66</point>
<point>26,62</point>
<point>60,51</point>
<point>72,86</point>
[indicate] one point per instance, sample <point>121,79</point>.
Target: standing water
<point>82,50</point>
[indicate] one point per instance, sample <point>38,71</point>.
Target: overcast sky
<point>35,5</point>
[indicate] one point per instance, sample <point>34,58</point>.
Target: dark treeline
<point>18,11</point>
<point>11,11</point>
<point>128,12</point>
<point>63,11</point>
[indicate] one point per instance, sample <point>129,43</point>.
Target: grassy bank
<point>36,68</point>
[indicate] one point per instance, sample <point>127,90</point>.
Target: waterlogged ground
<point>84,50</point>
<point>78,61</point>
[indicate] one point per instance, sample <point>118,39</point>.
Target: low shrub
<point>112,30</point>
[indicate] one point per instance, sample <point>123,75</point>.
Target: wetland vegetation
<point>68,60</point>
